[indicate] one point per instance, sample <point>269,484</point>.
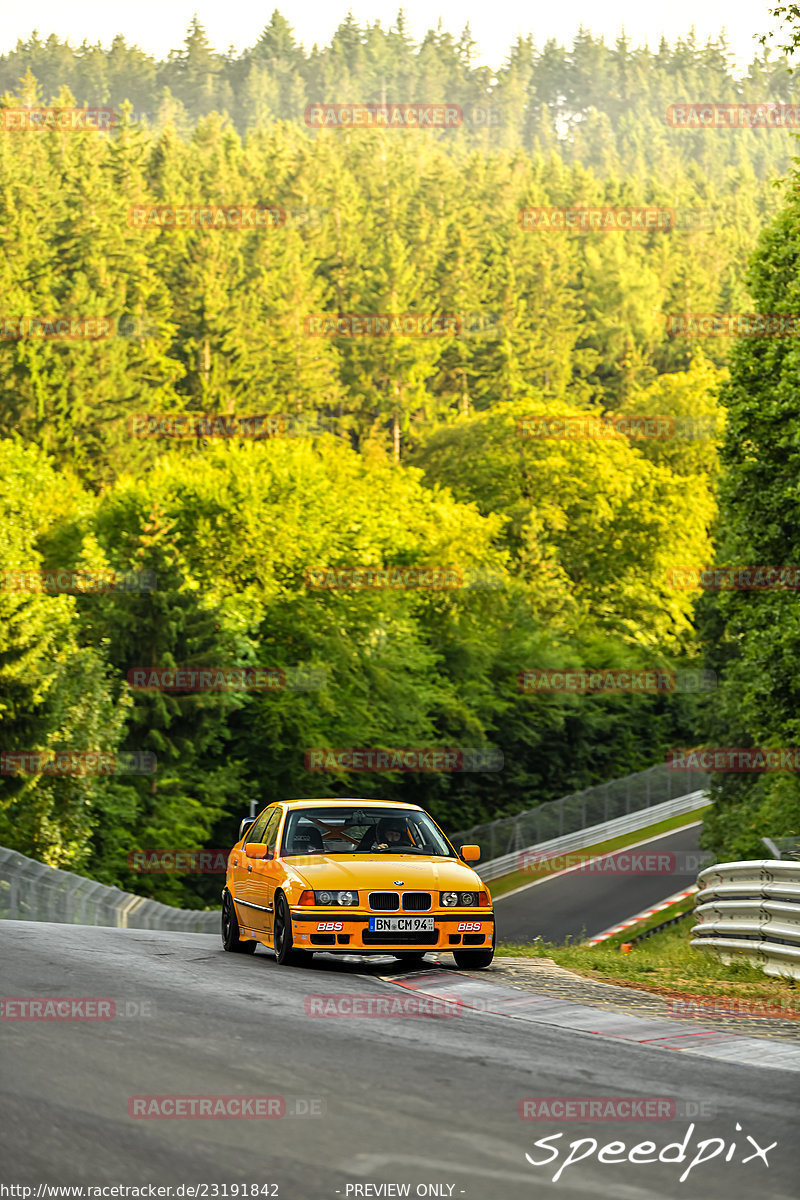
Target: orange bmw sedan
<point>354,877</point>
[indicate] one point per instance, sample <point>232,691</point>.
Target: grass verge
<point>667,965</point>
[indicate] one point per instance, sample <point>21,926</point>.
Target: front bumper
<point>336,932</point>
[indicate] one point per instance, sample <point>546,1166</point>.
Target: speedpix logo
<point>615,1153</point>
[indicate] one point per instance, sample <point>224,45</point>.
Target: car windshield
<point>362,830</point>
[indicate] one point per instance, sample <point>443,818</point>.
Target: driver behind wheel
<point>391,831</point>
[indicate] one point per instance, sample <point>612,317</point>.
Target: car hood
<point>351,871</point>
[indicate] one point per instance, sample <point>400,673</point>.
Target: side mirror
<point>257,850</point>
<point>245,824</point>
<point>470,853</point>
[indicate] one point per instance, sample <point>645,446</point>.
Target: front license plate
<point>401,925</point>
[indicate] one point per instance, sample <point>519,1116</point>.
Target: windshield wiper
<point>412,850</point>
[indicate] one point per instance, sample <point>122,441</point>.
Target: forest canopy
<point>213,404</point>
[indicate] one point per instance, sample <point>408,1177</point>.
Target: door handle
<point>249,867</point>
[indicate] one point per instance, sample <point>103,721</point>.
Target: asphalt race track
<point>420,1101</point>
<point>580,904</point>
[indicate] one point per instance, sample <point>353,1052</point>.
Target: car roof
<point>348,802</point>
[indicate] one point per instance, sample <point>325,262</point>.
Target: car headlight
<point>331,898</point>
<point>460,899</point>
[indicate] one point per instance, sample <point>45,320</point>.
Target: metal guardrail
<point>591,807</point>
<point>592,834</point>
<point>32,891</point>
<point>783,847</point>
<point>751,911</point>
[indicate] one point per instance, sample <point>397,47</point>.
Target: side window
<point>271,832</point>
<point>255,832</point>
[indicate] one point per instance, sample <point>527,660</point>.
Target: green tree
<point>754,636</point>
<point>56,694</point>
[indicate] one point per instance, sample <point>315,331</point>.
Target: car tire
<point>230,929</point>
<point>285,954</point>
